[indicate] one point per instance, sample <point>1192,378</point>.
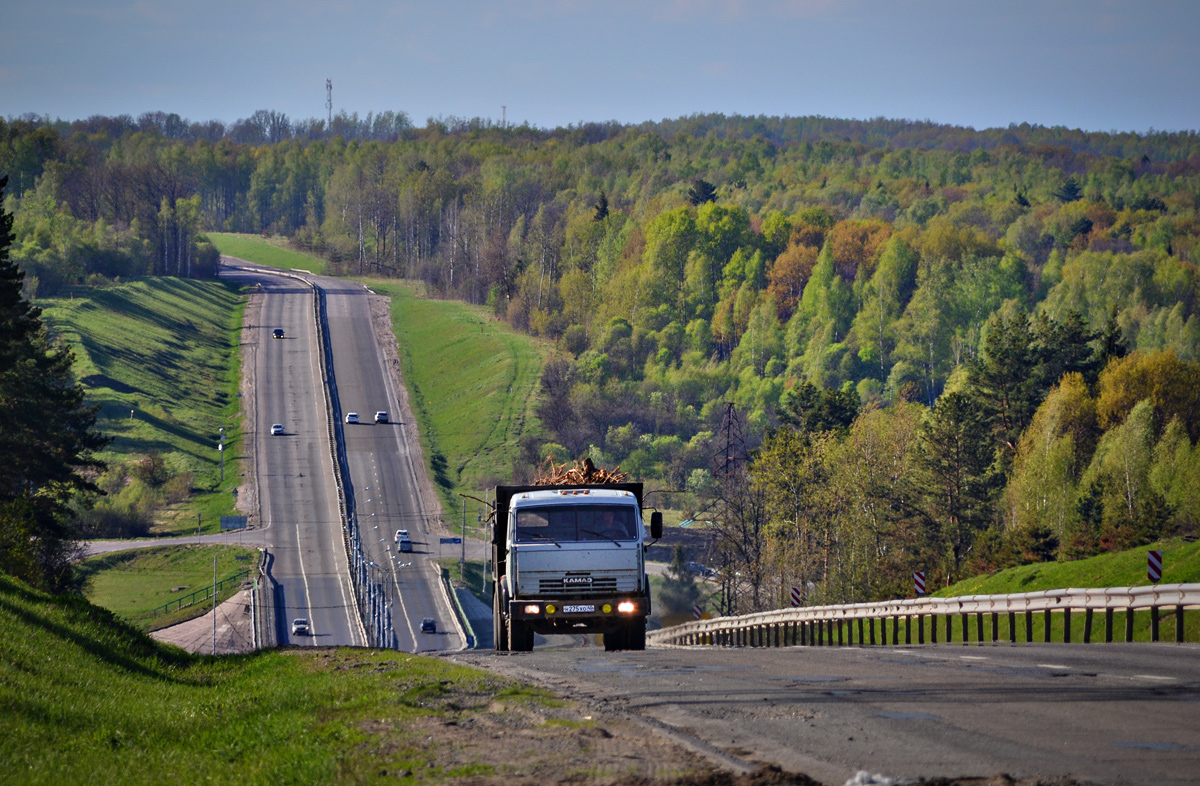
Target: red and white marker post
<point>1154,565</point>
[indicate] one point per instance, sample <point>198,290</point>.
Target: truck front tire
<point>520,636</point>
<point>499,628</point>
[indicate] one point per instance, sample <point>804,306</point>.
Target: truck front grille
<point>600,586</point>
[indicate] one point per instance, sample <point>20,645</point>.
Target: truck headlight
<point>626,607</point>
<point>533,609</point>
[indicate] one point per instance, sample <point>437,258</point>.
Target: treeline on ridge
<point>926,347</point>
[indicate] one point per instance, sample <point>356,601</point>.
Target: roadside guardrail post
<point>1067,625</point>
<point>995,627</point>
<point>1179,624</point>
<point>1046,632</point>
<point>1087,625</point>
<point>1154,623</point>
<point>1012,627</point>
<point>1108,625</point>
<point>907,629</point>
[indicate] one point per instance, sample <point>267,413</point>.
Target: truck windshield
<point>576,523</point>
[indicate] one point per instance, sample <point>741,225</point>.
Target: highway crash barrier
<point>1044,616</point>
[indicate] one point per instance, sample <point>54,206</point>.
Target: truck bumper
<point>567,613</point>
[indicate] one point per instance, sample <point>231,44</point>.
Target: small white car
<point>351,417</point>
<point>300,627</point>
<point>276,429</point>
<point>401,534</point>
<point>381,417</point>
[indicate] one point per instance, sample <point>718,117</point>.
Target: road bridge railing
<point>1031,616</point>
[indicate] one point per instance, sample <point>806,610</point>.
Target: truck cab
<point>571,559</point>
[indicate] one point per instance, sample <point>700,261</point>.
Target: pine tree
<point>47,438</point>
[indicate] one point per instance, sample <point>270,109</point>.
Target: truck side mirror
<point>656,524</point>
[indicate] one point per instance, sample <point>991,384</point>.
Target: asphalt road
<point>300,522</point>
<point>383,474</point>
<point>1111,714</point>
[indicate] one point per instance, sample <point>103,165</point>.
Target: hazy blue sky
<point>1093,64</point>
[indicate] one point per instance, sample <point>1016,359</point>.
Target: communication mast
<point>504,116</point>
<point>329,103</point>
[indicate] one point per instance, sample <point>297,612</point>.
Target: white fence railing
<point>904,619</point>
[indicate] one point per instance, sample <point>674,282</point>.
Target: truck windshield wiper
<point>543,537</point>
<point>603,537</point>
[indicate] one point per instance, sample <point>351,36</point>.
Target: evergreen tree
<point>1069,191</point>
<point>702,191</point>
<point>47,438</point>
<point>959,485</point>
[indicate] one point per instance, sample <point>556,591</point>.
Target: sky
<point>1099,65</point>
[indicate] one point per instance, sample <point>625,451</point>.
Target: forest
<point>859,348</point>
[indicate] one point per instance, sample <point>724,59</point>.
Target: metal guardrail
<point>190,600</point>
<point>820,625</point>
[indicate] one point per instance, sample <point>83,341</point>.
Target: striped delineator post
<point>795,596</point>
<point>1154,565</point>
<point>919,582</point>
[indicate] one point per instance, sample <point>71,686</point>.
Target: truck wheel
<point>499,629</point>
<point>520,636</point>
<point>636,635</point>
<point>615,639</point>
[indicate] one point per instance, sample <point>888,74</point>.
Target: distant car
<point>276,429</point>
<point>381,417</point>
<point>300,627</point>
<point>277,333</point>
<point>405,544</point>
<point>401,534</point>
<point>351,417</point>
<point>429,625</point>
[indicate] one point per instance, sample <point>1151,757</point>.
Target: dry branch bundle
<point>582,473</point>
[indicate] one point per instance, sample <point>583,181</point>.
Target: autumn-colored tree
<point>1170,385</point>
<point>788,276</point>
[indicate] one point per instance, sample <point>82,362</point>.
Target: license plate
<point>579,608</point>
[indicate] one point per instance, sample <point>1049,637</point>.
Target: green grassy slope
<point>273,252</point>
<point>1181,564</point>
<point>473,383</point>
<point>167,350</point>
<point>135,583</point>
<point>89,699</point>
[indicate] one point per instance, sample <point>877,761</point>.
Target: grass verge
<point>90,699</point>
<point>473,385</point>
<point>160,358</point>
<point>273,251</point>
<point>1181,565</point>
<point>135,584</point>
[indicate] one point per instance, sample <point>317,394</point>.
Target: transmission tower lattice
<point>732,454</point>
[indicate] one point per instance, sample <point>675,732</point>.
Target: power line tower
<point>329,104</point>
<point>504,116</point>
<point>731,455</point>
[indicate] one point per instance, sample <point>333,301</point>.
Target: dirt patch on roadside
<point>234,632</point>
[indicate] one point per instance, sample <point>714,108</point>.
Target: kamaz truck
<point>571,559</point>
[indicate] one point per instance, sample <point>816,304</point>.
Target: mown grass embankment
<point>473,383</point>
<point>137,583</point>
<point>1181,565</point>
<point>160,358</point>
<point>88,698</point>
<point>273,251</point>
